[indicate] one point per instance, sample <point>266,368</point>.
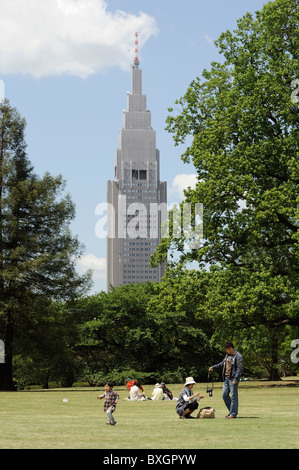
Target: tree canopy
<point>37,249</point>
<point>244,133</point>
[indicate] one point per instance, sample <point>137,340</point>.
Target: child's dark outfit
<point>110,397</point>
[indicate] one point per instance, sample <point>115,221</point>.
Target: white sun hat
<point>189,381</point>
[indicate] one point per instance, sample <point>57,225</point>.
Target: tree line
<point>153,331</point>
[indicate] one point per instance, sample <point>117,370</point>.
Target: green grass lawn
<point>268,419</point>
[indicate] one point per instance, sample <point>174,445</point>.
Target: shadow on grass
<point>248,417</point>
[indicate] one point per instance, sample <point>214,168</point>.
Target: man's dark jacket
<point>236,368</point>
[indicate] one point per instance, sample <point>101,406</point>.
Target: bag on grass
<point>206,412</point>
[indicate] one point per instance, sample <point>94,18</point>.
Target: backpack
<point>206,412</point>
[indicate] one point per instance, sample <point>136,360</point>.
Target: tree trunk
<point>273,372</point>
<point>6,379</point>
<point>274,375</point>
<point>6,382</point>
<point>45,384</point>
<point>68,379</point>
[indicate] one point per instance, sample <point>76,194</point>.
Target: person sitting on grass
<point>111,399</point>
<point>187,402</point>
<point>157,392</point>
<point>135,392</point>
<point>130,384</point>
<point>167,393</point>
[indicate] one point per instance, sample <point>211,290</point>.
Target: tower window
<point>142,174</point>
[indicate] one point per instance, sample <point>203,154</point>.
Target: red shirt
<point>131,383</point>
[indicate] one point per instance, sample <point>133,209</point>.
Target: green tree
<point>44,348</point>
<point>244,134</point>
<point>179,309</point>
<point>37,250</point>
<point>118,335</point>
<point>258,311</point>
<point>149,328</point>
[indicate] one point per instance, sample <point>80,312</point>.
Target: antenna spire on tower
<point>136,60</point>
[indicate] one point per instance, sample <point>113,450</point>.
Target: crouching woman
<point>187,401</point>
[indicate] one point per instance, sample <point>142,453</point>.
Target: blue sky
<point>65,65</point>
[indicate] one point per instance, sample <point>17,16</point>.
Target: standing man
<point>232,369</point>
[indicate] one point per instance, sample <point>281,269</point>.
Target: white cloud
<point>181,182</point>
<point>208,39</point>
<point>90,261</point>
<point>76,37</point>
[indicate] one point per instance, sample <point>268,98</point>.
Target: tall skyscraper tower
<point>136,197</point>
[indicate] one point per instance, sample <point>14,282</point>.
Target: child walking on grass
<point>111,399</point>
